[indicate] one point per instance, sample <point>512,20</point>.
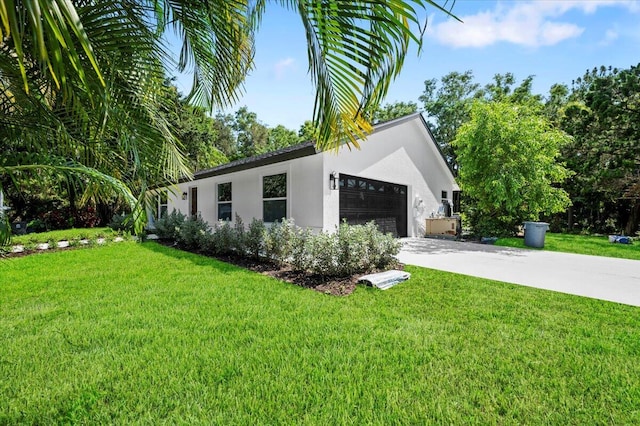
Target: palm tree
<point>82,80</point>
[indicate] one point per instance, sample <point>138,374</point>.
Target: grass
<point>60,235</point>
<point>141,333</point>
<point>580,244</point>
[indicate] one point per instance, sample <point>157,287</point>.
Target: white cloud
<point>283,66</point>
<point>609,36</point>
<point>530,23</point>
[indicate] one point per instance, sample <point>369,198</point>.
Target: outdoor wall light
<point>184,195</point>
<point>333,180</point>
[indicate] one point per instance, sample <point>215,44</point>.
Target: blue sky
<point>554,40</point>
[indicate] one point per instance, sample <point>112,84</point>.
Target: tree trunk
<point>634,217</point>
<point>570,218</point>
<point>73,211</point>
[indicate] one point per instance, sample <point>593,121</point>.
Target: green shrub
<point>239,242</point>
<point>301,254</point>
<point>191,232</point>
<point>121,222</point>
<point>278,241</point>
<point>382,248</point>
<point>255,237</point>
<point>36,225</point>
<point>223,238</point>
<point>168,226</point>
<point>52,243</point>
<point>351,250</point>
<point>323,248</point>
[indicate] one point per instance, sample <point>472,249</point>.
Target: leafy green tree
<point>194,129</point>
<point>502,88</point>
<point>556,102</point>
<point>251,135</point>
<point>509,171</point>
<point>198,135</point>
<point>603,116</point>
<point>394,110</point>
<point>281,137</point>
<point>308,131</point>
<point>225,139</point>
<point>447,104</point>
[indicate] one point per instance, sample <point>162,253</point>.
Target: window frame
<point>228,202</point>
<point>162,194</point>
<point>268,199</point>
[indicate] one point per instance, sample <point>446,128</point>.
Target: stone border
<point>19,248</point>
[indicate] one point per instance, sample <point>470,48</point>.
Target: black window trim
<point>228,202</point>
<point>285,198</point>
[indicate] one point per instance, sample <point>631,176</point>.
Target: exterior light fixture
<point>184,195</point>
<point>333,180</point>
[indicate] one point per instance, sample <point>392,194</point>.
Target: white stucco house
<point>398,178</point>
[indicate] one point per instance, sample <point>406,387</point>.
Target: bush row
<point>352,249</point>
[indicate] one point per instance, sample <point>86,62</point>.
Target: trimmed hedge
<point>351,249</point>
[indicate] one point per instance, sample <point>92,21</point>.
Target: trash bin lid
<point>536,225</point>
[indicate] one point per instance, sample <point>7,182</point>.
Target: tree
<point>603,116</point>
<point>225,139</point>
<point>281,137</point>
<point>502,88</point>
<point>394,110</point>
<point>555,103</point>
<point>194,129</point>
<point>251,134</point>
<point>372,37</point>
<point>308,131</point>
<point>508,166</point>
<point>447,105</point>
<point>80,80</point>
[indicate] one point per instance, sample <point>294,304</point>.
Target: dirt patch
<point>337,286</point>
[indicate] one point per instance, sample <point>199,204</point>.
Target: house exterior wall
<point>402,154</point>
<point>304,193</point>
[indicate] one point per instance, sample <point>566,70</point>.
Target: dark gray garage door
<point>364,200</point>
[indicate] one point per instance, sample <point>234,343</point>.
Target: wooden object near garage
<point>447,226</point>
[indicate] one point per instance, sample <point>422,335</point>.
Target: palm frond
<point>355,51</point>
<point>101,185</point>
<point>46,29</point>
<point>217,45</point>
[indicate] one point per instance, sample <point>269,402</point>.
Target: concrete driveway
<point>615,280</point>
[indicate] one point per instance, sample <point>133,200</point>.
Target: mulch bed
<point>336,286</point>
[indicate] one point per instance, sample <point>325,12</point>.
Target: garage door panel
<point>365,200</point>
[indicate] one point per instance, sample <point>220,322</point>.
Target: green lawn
<point>142,333</point>
<point>580,244</point>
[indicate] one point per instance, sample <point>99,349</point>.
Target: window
<point>193,201</point>
<point>161,204</point>
<point>444,195</point>
<point>224,201</point>
<point>456,201</point>
<point>274,195</point>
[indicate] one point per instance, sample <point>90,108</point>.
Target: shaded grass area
<point>580,244</point>
<point>145,333</point>
<point>63,234</point>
